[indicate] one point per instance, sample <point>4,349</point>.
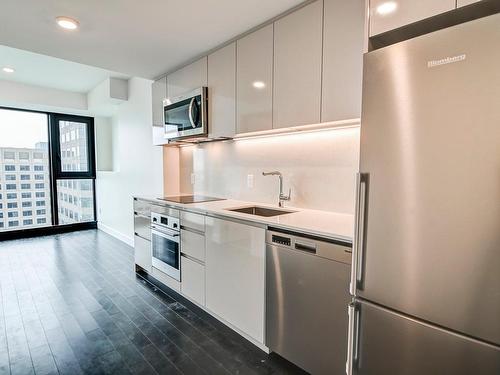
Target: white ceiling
<point>140,38</point>
<point>45,71</point>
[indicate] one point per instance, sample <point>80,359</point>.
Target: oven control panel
<point>165,221</point>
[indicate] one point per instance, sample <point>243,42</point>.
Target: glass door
<point>74,169</point>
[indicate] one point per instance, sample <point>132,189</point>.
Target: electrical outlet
<point>193,178</point>
<point>250,181</point>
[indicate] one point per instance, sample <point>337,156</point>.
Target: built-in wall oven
<point>186,116</point>
<point>165,244</point>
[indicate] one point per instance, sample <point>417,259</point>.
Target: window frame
<point>55,163</point>
<point>55,146</point>
<point>55,174</point>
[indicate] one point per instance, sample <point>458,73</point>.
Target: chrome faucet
<point>282,197</point>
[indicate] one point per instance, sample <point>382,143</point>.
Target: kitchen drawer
<point>193,280</point>
<point>193,244</point>
<point>164,210</point>
<point>142,227</point>
<point>142,253</point>
<point>193,221</point>
<point>142,207</point>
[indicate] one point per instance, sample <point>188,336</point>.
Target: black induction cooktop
<point>186,199</point>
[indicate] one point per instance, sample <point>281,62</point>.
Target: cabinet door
<point>142,253</point>
<point>297,67</point>
<point>343,38</point>
<point>193,280</point>
<point>222,92</point>
<point>461,3</point>
<point>254,81</point>
<point>158,93</point>
<point>383,19</point>
<point>234,269</point>
<point>188,78</point>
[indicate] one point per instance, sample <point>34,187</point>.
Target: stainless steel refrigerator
<point>426,257</point>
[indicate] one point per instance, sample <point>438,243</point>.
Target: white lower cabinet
<point>234,274</point>
<point>193,280</point>
<point>142,253</point>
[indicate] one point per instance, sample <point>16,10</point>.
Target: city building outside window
<point>24,167</point>
<point>23,155</point>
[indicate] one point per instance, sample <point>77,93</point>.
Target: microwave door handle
<point>191,105</point>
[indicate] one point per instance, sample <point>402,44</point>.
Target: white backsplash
<point>319,167</point>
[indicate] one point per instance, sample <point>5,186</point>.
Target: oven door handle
<point>172,236</point>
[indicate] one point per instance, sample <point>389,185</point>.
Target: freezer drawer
<point>386,342</point>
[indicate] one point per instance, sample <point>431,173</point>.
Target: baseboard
<point>117,234</point>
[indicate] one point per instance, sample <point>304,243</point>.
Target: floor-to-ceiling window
<point>47,170</point>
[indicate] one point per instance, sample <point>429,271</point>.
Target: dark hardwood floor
<point>72,304</point>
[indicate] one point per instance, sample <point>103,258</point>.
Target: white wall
<point>22,95</point>
<point>320,168</point>
<point>137,164</point>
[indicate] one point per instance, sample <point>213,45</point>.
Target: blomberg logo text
<point>446,60</point>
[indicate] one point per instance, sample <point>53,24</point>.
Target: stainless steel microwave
<point>186,116</point>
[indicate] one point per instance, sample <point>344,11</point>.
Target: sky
<point>22,129</point>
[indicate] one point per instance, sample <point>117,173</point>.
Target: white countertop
<point>321,223</point>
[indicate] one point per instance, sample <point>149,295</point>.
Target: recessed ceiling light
<point>6,69</point>
<point>67,23</point>
<point>259,84</point>
<point>387,7</point>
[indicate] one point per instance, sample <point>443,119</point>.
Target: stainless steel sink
<point>260,211</point>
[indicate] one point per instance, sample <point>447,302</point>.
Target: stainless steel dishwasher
<point>307,294</point>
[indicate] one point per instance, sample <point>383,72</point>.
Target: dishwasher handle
<point>308,248</point>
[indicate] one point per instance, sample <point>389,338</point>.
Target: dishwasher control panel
<point>280,240</point>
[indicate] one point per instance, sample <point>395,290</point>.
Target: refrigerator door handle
<point>359,233</point>
<point>352,338</point>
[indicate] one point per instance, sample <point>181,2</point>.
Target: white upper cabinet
<point>188,78</point>
<point>254,81</point>
<point>222,92</point>
<point>343,44</point>
<point>158,92</point>
<point>297,67</point>
<point>461,3</point>
<point>387,15</point>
